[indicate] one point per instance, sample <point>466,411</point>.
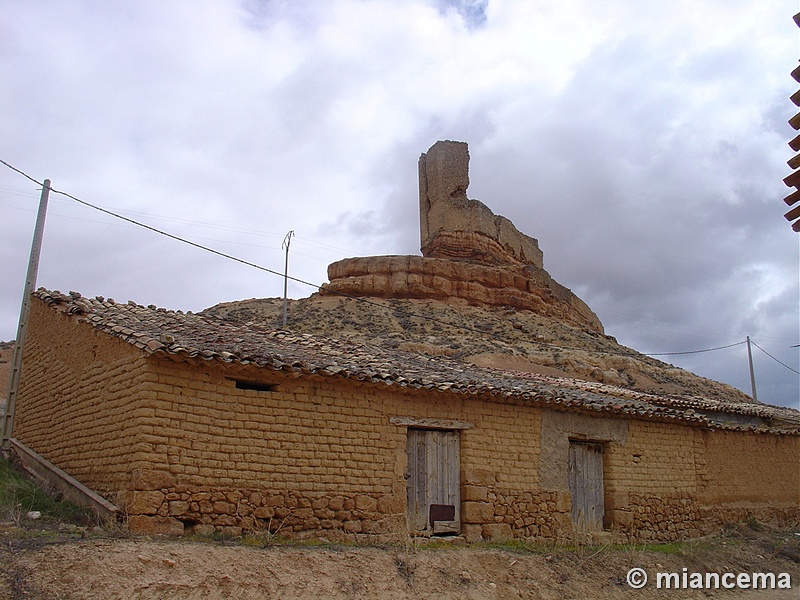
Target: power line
<point>694,351</point>
<point>239,260</point>
<point>773,358</point>
<point>342,294</point>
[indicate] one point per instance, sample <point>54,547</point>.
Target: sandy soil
<point>38,567</point>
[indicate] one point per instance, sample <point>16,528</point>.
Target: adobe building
<point>197,423</point>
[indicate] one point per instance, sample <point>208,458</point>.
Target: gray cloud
<point>643,145</point>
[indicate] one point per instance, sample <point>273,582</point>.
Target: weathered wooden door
<point>432,480</point>
<point>586,485</point>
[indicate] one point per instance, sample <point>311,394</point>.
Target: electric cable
<point>773,358</point>
<point>632,354</point>
<point>695,351</point>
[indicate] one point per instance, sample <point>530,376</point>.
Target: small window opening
<point>255,385</point>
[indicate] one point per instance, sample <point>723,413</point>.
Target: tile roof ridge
<point>206,337</point>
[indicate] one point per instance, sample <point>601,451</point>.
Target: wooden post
<point>30,285</point>
<point>752,371</point>
<point>286,241</point>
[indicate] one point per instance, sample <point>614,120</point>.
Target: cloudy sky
<point>643,143</point>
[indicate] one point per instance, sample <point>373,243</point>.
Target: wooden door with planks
<point>586,485</point>
<point>432,481</point>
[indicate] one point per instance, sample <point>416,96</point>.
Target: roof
<point>184,336</point>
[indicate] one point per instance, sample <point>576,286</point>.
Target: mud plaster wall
<point>557,430</point>
<point>738,467</point>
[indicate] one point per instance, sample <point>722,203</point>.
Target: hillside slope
<point>517,340</point>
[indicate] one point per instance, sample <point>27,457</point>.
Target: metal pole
<point>30,284</point>
<point>286,241</point>
<point>752,372</point>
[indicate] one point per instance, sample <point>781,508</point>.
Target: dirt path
<point>139,568</point>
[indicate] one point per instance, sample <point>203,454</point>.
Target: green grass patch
<point>20,495</point>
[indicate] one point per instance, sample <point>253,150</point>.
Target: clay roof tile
<point>178,334</point>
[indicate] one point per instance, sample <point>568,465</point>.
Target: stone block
<point>324,513</point>
<point>303,513</point>
<point>472,533</point>
<point>389,505</point>
<point>619,518</point>
<point>155,525</point>
<point>224,508</point>
<point>617,500</point>
<point>478,477</point>
<point>366,503</point>
<point>178,507</point>
<point>475,493</point>
<point>141,503</point>
<point>330,524</point>
<point>201,529</point>
<point>151,479</point>
<point>264,512</point>
<point>497,532</point>
<point>352,526</point>
<point>477,512</point>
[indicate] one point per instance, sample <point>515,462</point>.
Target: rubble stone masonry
<point>181,448</point>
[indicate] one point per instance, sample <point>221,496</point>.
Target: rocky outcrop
<point>455,227</point>
<point>521,287</point>
<point>468,252</point>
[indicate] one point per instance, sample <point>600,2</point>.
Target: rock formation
<point>468,252</point>
<point>455,227</point>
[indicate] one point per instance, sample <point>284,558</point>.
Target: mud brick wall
<point>74,405</point>
<point>670,482</point>
<point>310,454</point>
<point>181,447</point>
<point>651,483</point>
<point>736,467</point>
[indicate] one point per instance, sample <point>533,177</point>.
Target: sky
<point>642,143</point>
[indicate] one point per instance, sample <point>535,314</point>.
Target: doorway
<point>432,481</point>
<point>586,485</point>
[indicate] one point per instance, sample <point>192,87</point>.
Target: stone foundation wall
<point>180,509</point>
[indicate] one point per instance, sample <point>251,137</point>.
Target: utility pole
<point>286,241</point>
<point>30,285</point>
<point>752,372</point>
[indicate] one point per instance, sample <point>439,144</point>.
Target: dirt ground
<point>80,564</point>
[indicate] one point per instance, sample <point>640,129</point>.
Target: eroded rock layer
<point>522,287</point>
